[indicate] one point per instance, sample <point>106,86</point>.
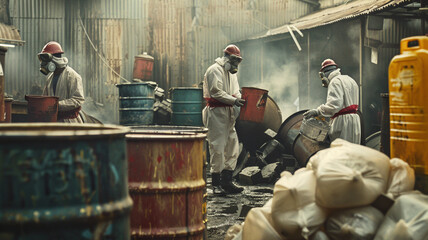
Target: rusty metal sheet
<point>10,35</point>
<point>334,14</point>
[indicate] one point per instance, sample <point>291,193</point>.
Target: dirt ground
<point>224,211</point>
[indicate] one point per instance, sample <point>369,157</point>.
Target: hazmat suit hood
<point>60,62</point>
<point>334,74</point>
<point>221,61</point>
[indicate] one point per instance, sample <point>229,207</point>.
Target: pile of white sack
<point>331,199</point>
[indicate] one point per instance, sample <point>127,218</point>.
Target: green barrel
<point>63,181</point>
<point>136,102</point>
<point>186,104</point>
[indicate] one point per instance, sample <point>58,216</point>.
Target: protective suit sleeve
<point>76,94</point>
<point>334,101</point>
<point>215,86</point>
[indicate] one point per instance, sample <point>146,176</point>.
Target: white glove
<point>311,113</point>
<point>239,102</point>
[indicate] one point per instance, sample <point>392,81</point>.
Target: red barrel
<point>166,183</point>
<point>255,104</point>
<point>143,66</point>
<point>42,108</point>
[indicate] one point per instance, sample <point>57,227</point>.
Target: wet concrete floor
<point>224,211</point>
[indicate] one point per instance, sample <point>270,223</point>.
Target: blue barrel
<point>136,102</point>
<point>186,104</point>
<point>63,181</point>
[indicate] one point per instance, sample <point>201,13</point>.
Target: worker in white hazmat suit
<point>62,82</point>
<point>221,91</point>
<point>341,105</point>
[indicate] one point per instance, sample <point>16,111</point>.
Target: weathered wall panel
<point>184,37</point>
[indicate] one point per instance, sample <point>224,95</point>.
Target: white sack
<point>354,224</point>
<point>319,235</point>
<point>258,224</point>
<point>233,232</point>
<point>349,175</point>
<point>407,219</point>
<point>294,211</point>
<point>401,178</point>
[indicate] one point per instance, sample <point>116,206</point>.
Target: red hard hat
<point>326,63</point>
<point>52,47</point>
<point>233,50</point>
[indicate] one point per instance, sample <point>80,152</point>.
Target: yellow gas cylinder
<point>408,105</point>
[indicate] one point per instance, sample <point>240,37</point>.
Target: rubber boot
<point>226,182</point>
<point>215,179</point>
<point>215,182</point>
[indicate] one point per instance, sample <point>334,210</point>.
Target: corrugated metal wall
<point>184,37</point>
<point>37,24</point>
<point>116,28</point>
<point>375,76</point>
<point>332,3</point>
<point>218,23</point>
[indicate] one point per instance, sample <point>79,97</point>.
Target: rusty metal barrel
<point>42,108</point>
<point>301,147</point>
<point>166,181</point>
<point>252,134</point>
<point>63,181</point>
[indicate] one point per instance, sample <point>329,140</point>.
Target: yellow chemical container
<point>408,105</point>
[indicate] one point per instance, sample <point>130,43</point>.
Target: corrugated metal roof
<point>334,14</point>
<point>10,35</point>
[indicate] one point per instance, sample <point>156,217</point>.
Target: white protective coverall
<point>69,90</point>
<point>222,86</point>
<point>342,92</point>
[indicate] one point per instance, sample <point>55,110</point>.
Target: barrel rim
<point>185,88</point>
<point>135,109</point>
<point>137,98</point>
<point>78,213</point>
<point>261,89</point>
<point>59,130</point>
<point>167,128</point>
<point>181,135</point>
<point>187,102</point>
<point>40,97</point>
<point>152,84</point>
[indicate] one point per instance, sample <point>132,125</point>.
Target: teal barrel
<point>136,102</point>
<point>186,104</point>
<point>63,181</point>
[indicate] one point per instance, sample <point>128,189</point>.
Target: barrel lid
<point>166,132</point>
<point>145,56</point>
<point>184,88</point>
<point>68,131</point>
<point>150,83</point>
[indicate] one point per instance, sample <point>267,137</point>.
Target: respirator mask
<point>324,79</point>
<point>46,64</point>
<point>232,64</point>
